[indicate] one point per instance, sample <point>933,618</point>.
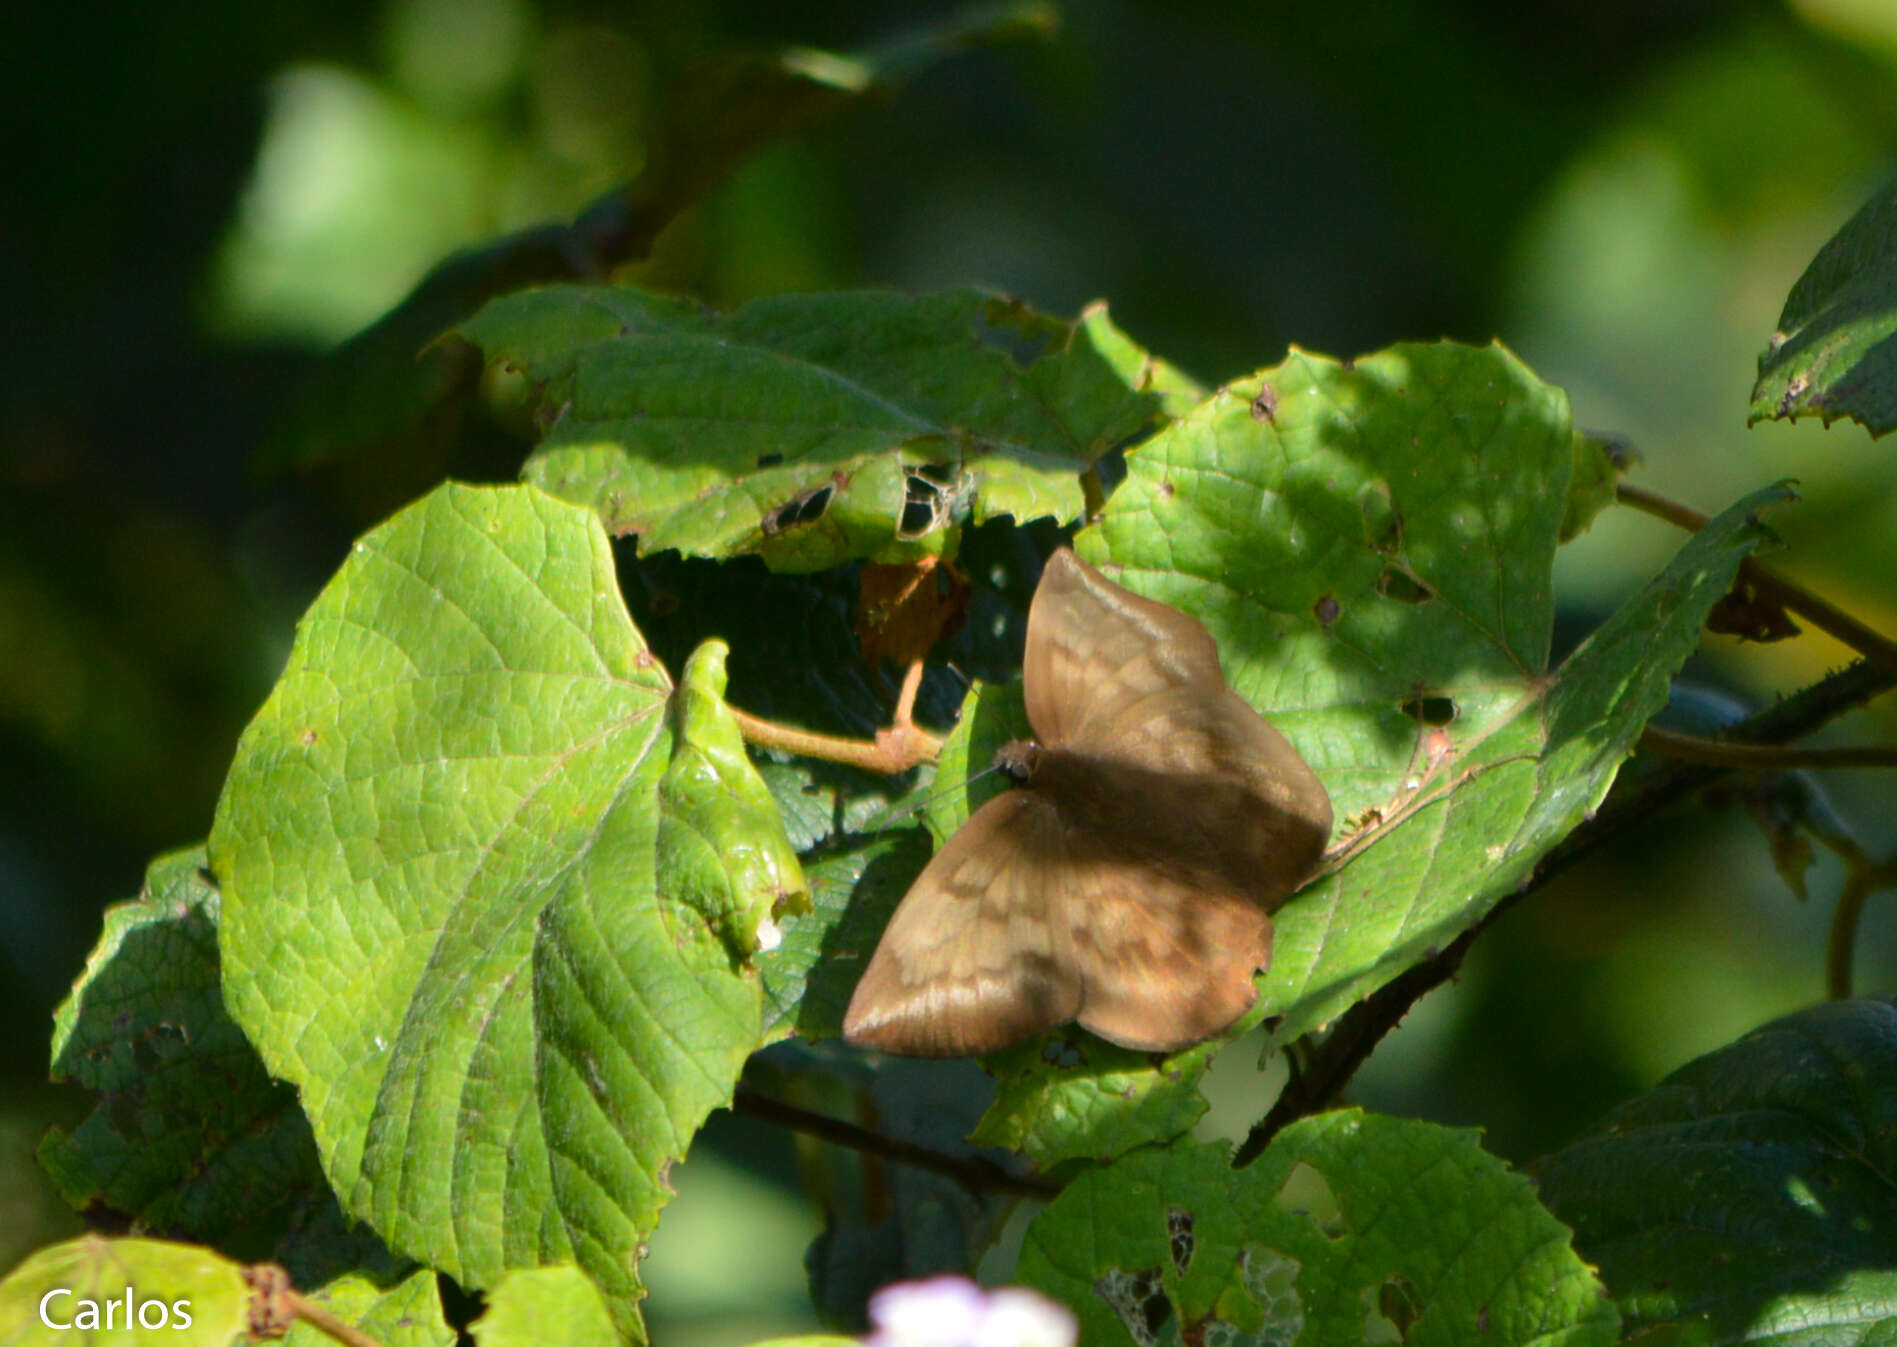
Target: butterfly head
<point>1018,759</point>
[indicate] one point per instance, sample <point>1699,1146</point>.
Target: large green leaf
<point>817,429</point>
<point>191,1137</point>
<point>1835,351</point>
<point>1349,1228</point>
<point>1748,1197</point>
<point>490,890</point>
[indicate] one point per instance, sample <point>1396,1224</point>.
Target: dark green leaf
<point>1747,1198</point>
<point>1835,351</point>
<point>816,429</point>
<point>191,1137</point>
<point>808,979</point>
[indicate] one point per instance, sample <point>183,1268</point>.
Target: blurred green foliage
<point>1621,191</point>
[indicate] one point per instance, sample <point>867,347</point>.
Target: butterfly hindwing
<point>1135,929</point>
<point>970,962</point>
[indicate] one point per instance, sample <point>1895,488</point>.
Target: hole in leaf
<point>1060,1050</point>
<point>1433,711</point>
<point>1382,521</point>
<point>769,460</point>
<point>806,507</point>
<point>918,517</point>
<point>1179,1234</point>
<point>1326,610</point>
<point>1390,1310</point>
<point>1400,1303</point>
<point>1139,1299</point>
<point>933,496</point>
<point>1264,407</point>
<point>1403,587</point>
<point>932,474</point>
<point>1306,1192</point>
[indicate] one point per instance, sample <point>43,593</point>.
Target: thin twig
<point>1760,757</point>
<point>1329,1068</point>
<point>1841,947</point>
<point>322,1320</point>
<point>977,1173</point>
<point>1660,507</point>
<point>895,749</point>
<point>1789,594</point>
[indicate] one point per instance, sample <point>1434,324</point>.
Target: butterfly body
<point>1126,882</point>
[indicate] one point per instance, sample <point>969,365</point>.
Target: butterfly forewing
<point>1094,650</point>
<point>1237,797</point>
<point>971,960</point>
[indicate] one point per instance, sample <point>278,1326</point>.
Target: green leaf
<point>407,1314</point>
<point>1835,351</point>
<point>1068,1095</point>
<point>191,1136</point>
<point>545,1305</point>
<point>1747,1197</point>
<point>816,429</point>
<point>481,897</point>
<point>1349,1228</point>
<point>188,1295</point>
<point>715,857</point>
<point>809,978</point>
<point>388,389</point>
<point>1598,463</point>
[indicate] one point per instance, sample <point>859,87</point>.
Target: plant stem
<point>1770,585</point>
<point>896,749</point>
<point>323,1321</point>
<point>977,1173</point>
<point>1759,757</point>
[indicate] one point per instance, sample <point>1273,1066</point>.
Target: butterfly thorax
<point>1215,831</point>
<point>1019,759</point>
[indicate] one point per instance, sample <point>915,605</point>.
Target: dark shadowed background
<point>202,201</point>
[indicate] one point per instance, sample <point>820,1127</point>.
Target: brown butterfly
<point>1126,881</point>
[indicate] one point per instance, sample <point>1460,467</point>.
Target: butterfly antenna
<point>894,817</point>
